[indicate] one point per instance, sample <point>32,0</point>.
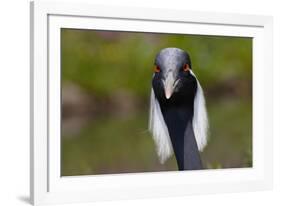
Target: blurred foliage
<point>126,59</point>
<point>113,70</point>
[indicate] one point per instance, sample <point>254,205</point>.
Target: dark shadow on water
<point>25,199</point>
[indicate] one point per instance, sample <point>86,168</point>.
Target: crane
<point>178,117</point>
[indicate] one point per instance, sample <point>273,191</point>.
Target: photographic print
<point>149,102</point>
<point>126,105</point>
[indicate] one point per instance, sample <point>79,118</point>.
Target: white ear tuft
<point>200,118</point>
<point>159,130</point>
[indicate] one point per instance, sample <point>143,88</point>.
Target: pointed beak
<point>169,85</point>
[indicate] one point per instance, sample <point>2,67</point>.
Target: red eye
<point>186,68</point>
<point>156,69</point>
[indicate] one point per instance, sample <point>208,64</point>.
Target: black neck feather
<point>179,123</point>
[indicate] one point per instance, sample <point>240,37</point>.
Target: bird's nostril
<point>175,82</point>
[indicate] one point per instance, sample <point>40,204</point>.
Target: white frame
<point>47,186</point>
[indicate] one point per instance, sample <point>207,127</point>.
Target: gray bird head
<point>170,64</point>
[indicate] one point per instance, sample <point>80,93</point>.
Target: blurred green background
<point>106,82</point>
